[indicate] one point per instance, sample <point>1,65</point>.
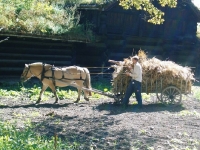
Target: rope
<point>4,39</point>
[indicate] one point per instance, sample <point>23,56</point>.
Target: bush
<point>37,16</point>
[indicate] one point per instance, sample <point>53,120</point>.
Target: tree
<point>156,16</point>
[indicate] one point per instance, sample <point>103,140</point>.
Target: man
<point>135,84</point>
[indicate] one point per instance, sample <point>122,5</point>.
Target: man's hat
<point>135,57</point>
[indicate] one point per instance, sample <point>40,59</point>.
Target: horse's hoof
<point>77,101</point>
<point>36,103</point>
<point>56,101</point>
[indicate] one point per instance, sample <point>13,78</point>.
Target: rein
<point>29,69</point>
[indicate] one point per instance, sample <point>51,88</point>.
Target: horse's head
<point>26,73</point>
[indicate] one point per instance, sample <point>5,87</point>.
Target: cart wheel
<point>159,96</point>
<point>171,95</point>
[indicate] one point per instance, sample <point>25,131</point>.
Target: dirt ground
<point>101,124</point>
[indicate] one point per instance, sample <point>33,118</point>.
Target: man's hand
<point>129,67</point>
<point>128,74</point>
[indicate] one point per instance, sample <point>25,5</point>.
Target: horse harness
<point>53,74</point>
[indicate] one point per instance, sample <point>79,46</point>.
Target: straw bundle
<point>157,75</point>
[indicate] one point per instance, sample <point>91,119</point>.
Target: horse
<point>53,77</point>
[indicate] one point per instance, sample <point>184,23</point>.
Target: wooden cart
<point>167,94</point>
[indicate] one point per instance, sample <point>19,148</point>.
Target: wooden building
<point>122,30</point>
<point>117,33</point>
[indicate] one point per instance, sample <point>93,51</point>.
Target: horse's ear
<point>26,65</point>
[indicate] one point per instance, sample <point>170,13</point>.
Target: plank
<point>32,56</point>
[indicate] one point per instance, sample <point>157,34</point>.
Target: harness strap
<point>53,77</point>
<point>63,76</point>
<point>80,75</point>
<point>43,71</point>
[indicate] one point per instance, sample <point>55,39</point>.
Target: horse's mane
<point>39,64</point>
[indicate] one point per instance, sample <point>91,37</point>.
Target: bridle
<point>29,69</point>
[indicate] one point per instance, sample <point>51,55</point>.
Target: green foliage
<point>82,32</point>
<point>196,92</point>
<point>66,94</point>
<point>11,90</point>
<point>102,85</point>
<point>155,14</point>
<point>88,1</point>
<point>189,113</point>
<point>41,17</point>
<point>33,91</point>
<point>12,138</point>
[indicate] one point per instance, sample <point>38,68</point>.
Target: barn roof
<point>109,6</point>
<point>196,10</point>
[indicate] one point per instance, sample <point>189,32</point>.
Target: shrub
<point>39,17</point>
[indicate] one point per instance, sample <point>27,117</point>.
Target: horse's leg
<point>44,87</point>
<point>79,95</point>
<point>85,92</point>
<point>79,88</point>
<point>85,95</point>
<point>53,88</point>
<point>80,85</point>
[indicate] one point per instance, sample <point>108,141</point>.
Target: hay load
<point>157,75</point>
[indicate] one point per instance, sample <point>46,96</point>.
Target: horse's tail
<point>88,80</point>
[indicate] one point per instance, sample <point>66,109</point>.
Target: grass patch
<point>196,92</point>
<point>35,114</point>
<point>12,138</point>
<point>32,91</point>
<point>189,144</point>
<point>188,113</point>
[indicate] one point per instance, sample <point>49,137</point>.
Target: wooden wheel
<point>159,96</point>
<point>171,95</point>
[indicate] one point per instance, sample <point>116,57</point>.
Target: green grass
<point>196,92</point>
<point>12,138</point>
<point>189,113</point>
<point>32,91</point>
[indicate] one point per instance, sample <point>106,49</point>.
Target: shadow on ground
<point>44,105</point>
<point>115,109</point>
<point>91,133</point>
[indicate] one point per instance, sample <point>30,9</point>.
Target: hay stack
<point>157,75</point>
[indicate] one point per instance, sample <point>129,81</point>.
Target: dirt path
<point>102,125</point>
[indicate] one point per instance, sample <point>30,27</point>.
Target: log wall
<point>16,52</point>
